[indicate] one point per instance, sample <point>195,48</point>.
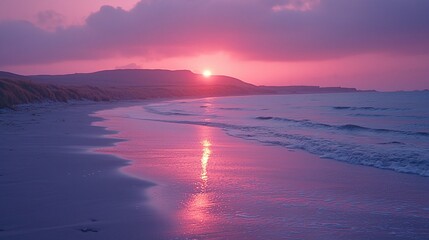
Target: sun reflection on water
<point>205,160</point>
<point>197,212</point>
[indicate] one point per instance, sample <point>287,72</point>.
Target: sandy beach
<point>52,188</point>
<point>88,171</point>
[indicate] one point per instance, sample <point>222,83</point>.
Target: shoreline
<point>54,188</point>
<point>226,193</point>
<point>211,187</point>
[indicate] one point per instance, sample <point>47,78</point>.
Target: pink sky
<point>368,44</point>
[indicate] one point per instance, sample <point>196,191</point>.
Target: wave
<point>346,127</point>
<point>264,118</point>
<point>368,115</point>
<point>402,158</point>
<point>392,143</point>
<point>360,108</point>
<point>167,113</point>
<point>232,109</point>
<point>240,109</point>
<point>367,108</point>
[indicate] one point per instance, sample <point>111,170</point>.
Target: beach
<point>90,171</point>
<point>54,188</point>
<point>204,119</point>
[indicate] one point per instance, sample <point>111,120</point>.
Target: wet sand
<point>211,185</point>
<point>52,188</point>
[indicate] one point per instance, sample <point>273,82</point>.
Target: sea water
<point>212,186</point>
<point>383,130</point>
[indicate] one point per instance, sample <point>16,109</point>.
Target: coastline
<point>198,182</point>
<point>53,188</point>
<point>213,185</point>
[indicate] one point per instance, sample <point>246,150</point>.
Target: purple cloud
<point>50,20</point>
<point>272,30</point>
<point>129,66</point>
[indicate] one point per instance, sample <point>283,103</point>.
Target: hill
<point>117,85</point>
<point>139,78</point>
<point>133,84</point>
<point>306,89</point>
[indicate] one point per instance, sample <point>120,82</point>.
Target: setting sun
<point>207,73</point>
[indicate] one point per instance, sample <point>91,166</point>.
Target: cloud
<point>300,30</point>
<point>130,66</point>
<point>296,5</point>
<point>50,20</point>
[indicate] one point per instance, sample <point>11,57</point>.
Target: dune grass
<point>15,92</point>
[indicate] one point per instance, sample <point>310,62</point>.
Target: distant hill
<point>306,89</point>
<point>139,77</point>
<point>133,84</point>
<point>13,76</point>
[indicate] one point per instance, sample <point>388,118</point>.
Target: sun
<point>207,73</point>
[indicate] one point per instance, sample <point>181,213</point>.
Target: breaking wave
<point>394,135</point>
<point>346,127</point>
<point>364,108</point>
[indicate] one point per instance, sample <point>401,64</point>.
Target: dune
<point>14,92</point>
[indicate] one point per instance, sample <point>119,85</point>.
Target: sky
<point>367,44</point>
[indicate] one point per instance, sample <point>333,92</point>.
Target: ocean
<point>382,130</point>
<point>249,167</point>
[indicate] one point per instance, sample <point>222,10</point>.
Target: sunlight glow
<point>198,210</point>
<point>205,159</point>
<point>207,73</point>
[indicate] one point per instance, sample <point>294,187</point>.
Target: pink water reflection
<point>213,186</point>
<point>205,160</point>
<point>197,212</point>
